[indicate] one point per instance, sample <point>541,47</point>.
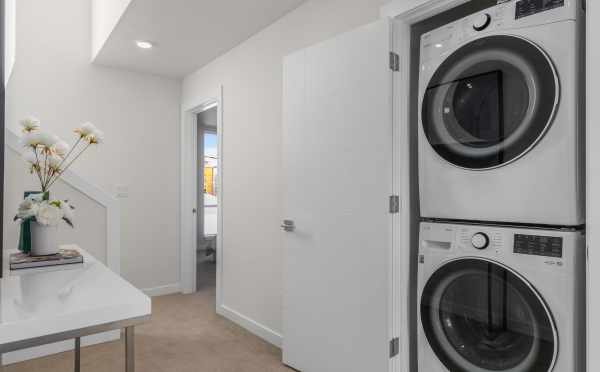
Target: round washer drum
<point>479,316</point>
<point>490,102</point>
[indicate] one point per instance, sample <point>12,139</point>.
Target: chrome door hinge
<point>394,347</point>
<point>394,61</point>
<point>394,204</point>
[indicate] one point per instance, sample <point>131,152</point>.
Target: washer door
<point>479,316</point>
<point>490,102</point>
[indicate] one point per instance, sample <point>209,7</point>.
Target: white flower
<point>30,139</point>
<point>30,124</point>
<point>48,214</point>
<point>48,140</point>
<point>54,161</point>
<point>86,129</point>
<point>34,139</point>
<point>61,148</point>
<point>97,137</point>
<point>27,208</point>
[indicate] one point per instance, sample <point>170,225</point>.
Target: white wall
<point>10,37</point>
<point>54,80</point>
<point>105,16</point>
<point>251,75</point>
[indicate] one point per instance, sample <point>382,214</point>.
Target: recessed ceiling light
<point>144,44</point>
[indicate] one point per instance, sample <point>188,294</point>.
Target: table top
<point>44,301</point>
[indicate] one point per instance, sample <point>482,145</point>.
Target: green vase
<point>25,233</point>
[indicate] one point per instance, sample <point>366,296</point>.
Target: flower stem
<point>36,166</point>
<point>58,172</point>
<point>47,165</point>
<point>70,152</point>
<point>61,171</point>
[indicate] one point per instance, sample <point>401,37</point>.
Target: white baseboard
<point>58,347</point>
<point>163,290</point>
<point>256,328</point>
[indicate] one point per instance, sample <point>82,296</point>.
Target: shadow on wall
<point>90,217</point>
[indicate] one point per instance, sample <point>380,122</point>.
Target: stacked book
<point>63,257</point>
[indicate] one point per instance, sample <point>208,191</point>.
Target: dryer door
<point>490,102</point>
<point>479,316</point>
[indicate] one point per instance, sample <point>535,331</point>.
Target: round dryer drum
<point>479,316</point>
<point>490,102</point>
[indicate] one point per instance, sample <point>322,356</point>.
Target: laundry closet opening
<point>417,30</point>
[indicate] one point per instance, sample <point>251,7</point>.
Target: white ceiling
<point>188,33</point>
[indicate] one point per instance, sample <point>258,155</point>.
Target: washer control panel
<point>482,21</point>
<point>526,8</point>
<point>480,240</point>
<point>537,245</point>
<point>549,249</point>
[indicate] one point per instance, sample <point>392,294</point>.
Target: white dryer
<point>500,299</point>
<point>501,134</point>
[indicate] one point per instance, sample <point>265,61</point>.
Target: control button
<point>480,241</point>
<point>482,21</point>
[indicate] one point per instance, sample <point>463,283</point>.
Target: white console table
<point>46,305</point>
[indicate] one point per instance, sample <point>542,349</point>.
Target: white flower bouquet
<point>48,157</point>
<point>45,212</point>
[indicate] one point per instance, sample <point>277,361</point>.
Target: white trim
<point>163,290</point>
<point>254,327</point>
<point>405,13</point>
<point>400,237</point>
<point>102,197</point>
<point>414,11</point>
<point>188,189</point>
<point>592,183</point>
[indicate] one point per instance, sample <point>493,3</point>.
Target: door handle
<point>288,226</point>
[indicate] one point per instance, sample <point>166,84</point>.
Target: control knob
<point>480,241</point>
<point>482,21</point>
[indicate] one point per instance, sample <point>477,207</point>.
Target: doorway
<point>201,208</point>
<point>207,199</point>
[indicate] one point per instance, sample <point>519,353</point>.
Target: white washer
<point>501,126</point>
<point>500,299</point>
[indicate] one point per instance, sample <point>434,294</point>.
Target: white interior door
<point>338,180</point>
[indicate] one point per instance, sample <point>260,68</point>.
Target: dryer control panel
<point>502,17</point>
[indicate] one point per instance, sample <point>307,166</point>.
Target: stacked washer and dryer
<point>501,274</point>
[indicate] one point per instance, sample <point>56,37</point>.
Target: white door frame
<point>404,14</point>
<point>189,195</point>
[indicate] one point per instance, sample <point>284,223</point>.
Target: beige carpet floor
<point>184,335</point>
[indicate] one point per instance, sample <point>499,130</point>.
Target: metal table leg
<point>77,367</point>
<point>129,350</point>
